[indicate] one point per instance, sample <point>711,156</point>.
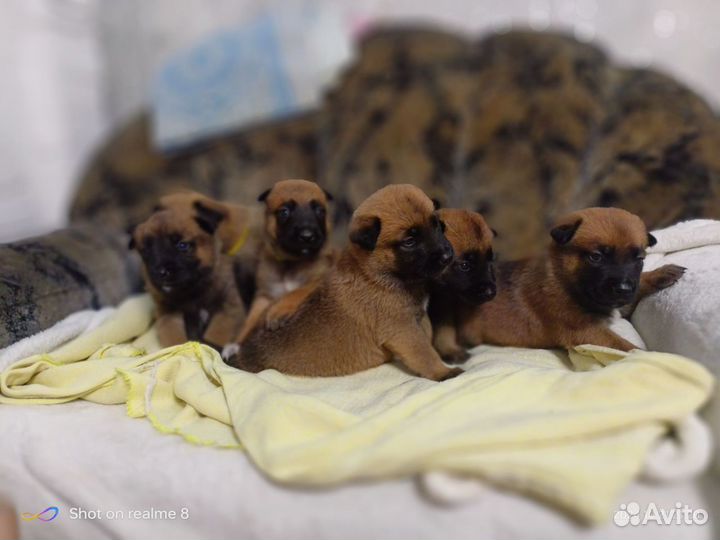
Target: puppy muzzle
<point>305,242</point>
<point>484,293</point>
<point>440,259</point>
<point>173,278</point>
<point>615,293</point>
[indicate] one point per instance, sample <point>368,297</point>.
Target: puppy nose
<point>445,257</point>
<point>163,271</point>
<point>623,287</point>
<point>307,235</point>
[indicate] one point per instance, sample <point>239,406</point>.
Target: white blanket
<point>685,318</point>
<point>113,462</point>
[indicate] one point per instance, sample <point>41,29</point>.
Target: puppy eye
<point>320,211</point>
<point>183,246</point>
<point>464,266</point>
<point>408,242</point>
<point>283,213</point>
<point>595,257</point>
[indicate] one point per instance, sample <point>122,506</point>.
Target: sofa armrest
<point>44,279</point>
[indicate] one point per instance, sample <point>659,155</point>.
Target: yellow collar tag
<point>237,246</point>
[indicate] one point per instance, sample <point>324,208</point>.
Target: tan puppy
<point>564,299</point>
<point>188,274</point>
<point>468,282</point>
<point>294,251</point>
<point>370,307</point>
<point>240,233</point>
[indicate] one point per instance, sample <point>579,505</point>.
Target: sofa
<point>520,126</point>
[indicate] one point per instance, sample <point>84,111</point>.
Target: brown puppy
<point>564,299</point>
<point>370,307</point>
<point>189,276</point>
<point>468,282</point>
<point>294,251</point>
<point>240,233</point>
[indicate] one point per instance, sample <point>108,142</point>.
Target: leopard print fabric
<point>521,126</point>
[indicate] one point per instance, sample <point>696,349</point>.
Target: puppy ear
<point>562,234</point>
<point>131,243</point>
<point>328,195</point>
<point>366,232</point>
<point>651,240</point>
<point>495,233</point>
<point>264,195</point>
<point>207,226</point>
<point>207,218</point>
<point>436,204</point>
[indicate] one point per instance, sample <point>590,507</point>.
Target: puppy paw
<point>456,356</point>
<point>666,276</point>
<point>230,351</point>
<point>451,374</point>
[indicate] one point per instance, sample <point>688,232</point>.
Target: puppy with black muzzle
<point>295,250</point>
<point>466,283</point>
<point>370,307</point>
<point>240,233</point>
<point>564,299</point>
<point>189,273</point>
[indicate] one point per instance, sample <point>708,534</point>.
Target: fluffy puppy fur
<point>370,308</point>
<point>563,299</point>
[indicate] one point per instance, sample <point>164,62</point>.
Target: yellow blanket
<point>520,419</point>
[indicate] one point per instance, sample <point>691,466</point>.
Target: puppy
<point>240,233</point>
<point>294,251</point>
<point>564,299</point>
<point>188,274</point>
<point>370,307</point>
<point>468,282</point>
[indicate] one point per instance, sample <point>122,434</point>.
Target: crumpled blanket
<point>519,419</point>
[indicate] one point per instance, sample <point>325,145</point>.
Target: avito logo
<point>632,514</point>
